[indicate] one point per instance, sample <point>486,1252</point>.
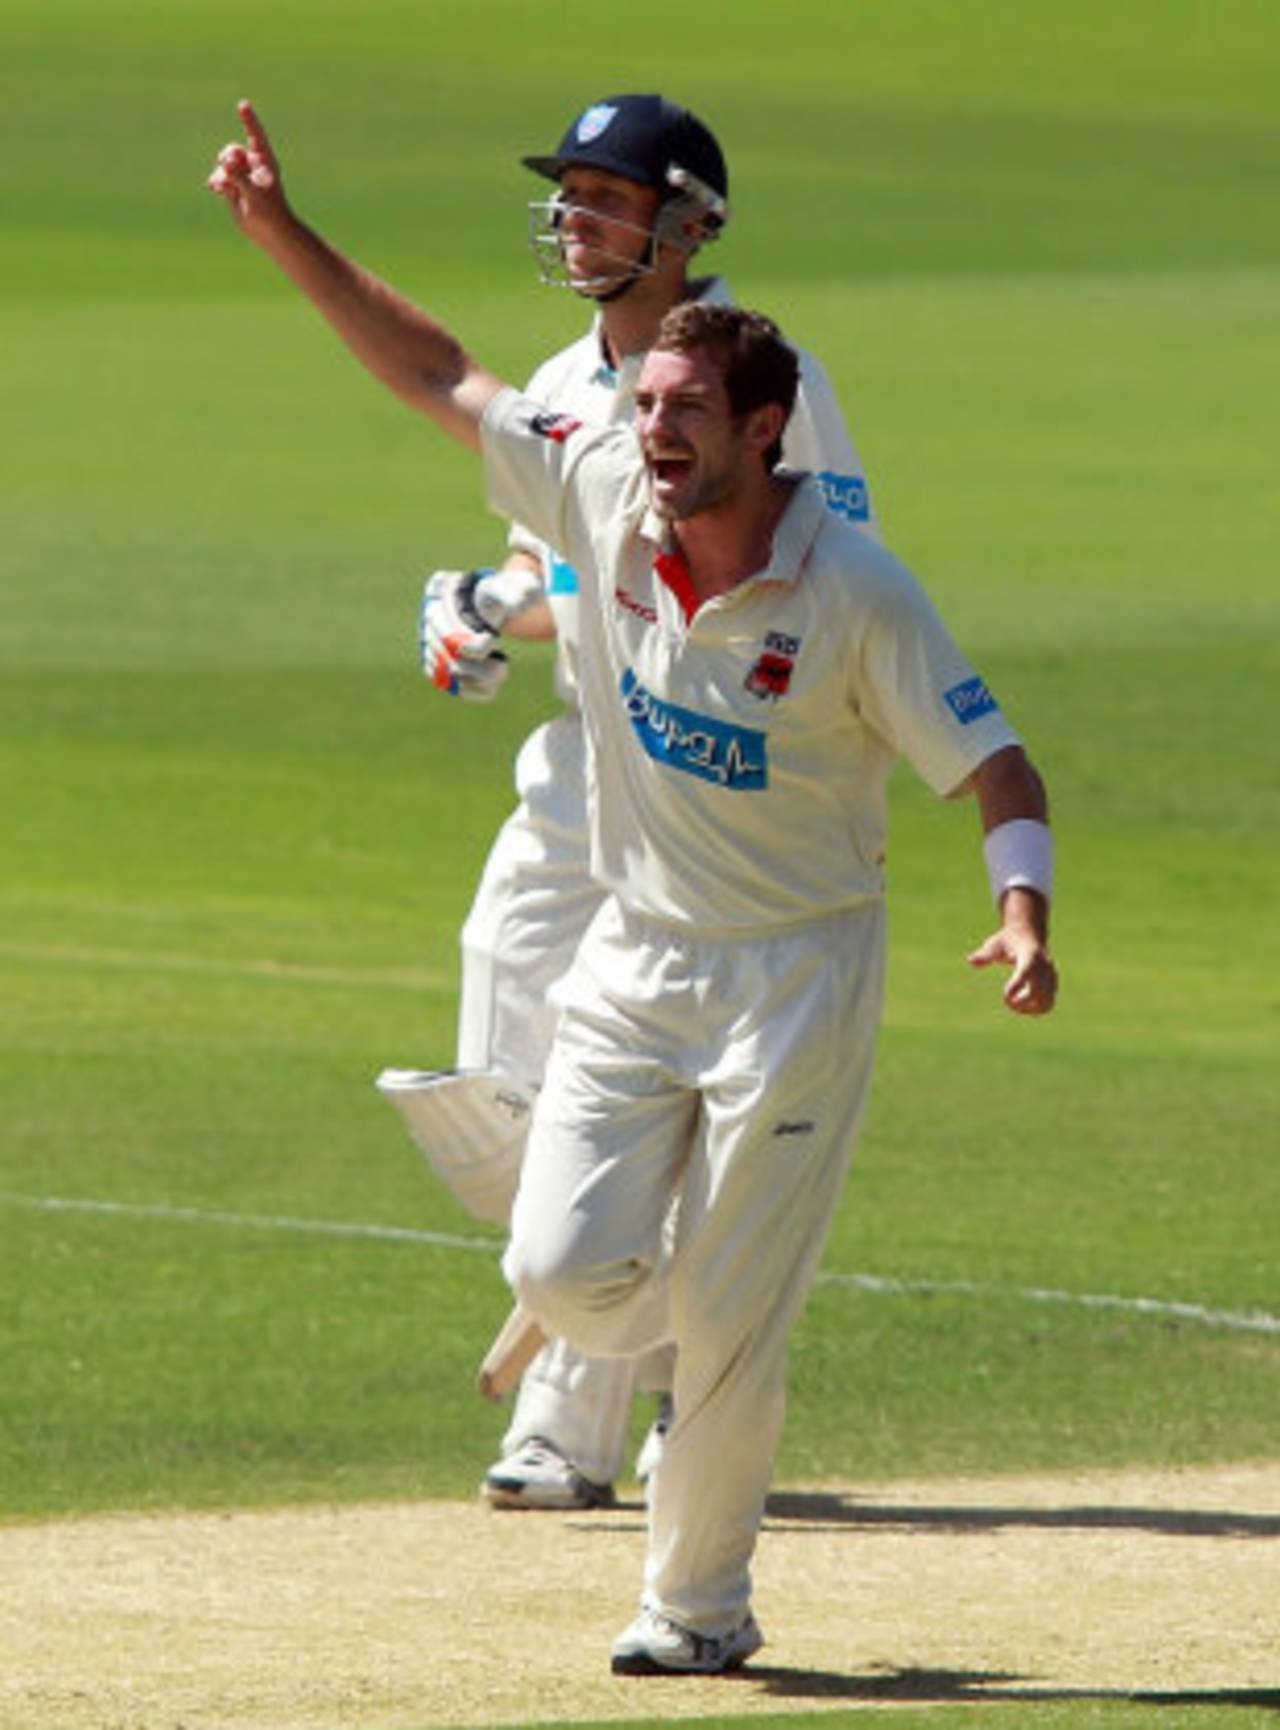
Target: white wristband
<point>1019,855</point>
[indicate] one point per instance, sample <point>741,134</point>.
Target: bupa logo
<point>846,495</point>
<point>969,701</point>
<point>556,427</point>
<point>713,750</point>
<point>770,677</point>
<point>594,122</point>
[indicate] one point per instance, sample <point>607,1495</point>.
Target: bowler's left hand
<point>1032,986</point>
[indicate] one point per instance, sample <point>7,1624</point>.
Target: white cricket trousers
<point>535,899</point>
<point>728,1075</point>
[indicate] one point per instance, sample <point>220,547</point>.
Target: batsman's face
<point>605,226</point>
<point>697,456</point>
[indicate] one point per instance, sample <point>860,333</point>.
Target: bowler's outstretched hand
<point>247,176</point>
<point>1032,986</point>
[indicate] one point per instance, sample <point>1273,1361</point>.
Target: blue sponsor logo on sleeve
<point>718,751</point>
<point>846,495</point>
<point>969,701</point>
<point>562,579</point>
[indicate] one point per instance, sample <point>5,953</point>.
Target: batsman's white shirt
<point>739,756</point>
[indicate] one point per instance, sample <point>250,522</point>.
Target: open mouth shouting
<point>669,473</point>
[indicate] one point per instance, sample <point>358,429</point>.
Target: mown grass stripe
<point>279,972</point>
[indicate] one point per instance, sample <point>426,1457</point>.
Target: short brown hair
<point>757,364</point>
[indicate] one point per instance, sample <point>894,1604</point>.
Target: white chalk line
<point>252,1221</point>
<point>1231,1320</point>
<point>1254,1321</point>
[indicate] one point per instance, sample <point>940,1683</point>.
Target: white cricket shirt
<point>739,758</point>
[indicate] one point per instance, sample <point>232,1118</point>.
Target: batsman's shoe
<point>654,1645</point>
<point>538,1476</point>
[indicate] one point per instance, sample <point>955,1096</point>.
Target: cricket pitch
<point>1131,1584</point>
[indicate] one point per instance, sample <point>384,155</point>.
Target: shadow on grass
<point>971,1687</point>
<point>825,1510</point>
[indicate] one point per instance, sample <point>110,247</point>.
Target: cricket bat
<point>518,1342</point>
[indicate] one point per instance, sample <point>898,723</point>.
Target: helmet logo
<point>594,122</point>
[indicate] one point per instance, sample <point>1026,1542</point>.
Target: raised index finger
<point>254,130</point>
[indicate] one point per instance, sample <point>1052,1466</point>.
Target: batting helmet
<point>650,141</point>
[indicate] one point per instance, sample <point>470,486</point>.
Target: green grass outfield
<point>1037,250</point>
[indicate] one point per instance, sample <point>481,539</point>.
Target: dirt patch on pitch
<point>431,1613</point>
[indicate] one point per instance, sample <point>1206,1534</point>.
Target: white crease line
<point>1233,1320</point>
<point>253,1222</point>
<point>1252,1322</point>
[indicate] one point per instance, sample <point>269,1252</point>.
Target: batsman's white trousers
<point>730,1073</point>
<point>534,901</point>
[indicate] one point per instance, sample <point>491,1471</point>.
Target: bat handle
<point>517,1343</point>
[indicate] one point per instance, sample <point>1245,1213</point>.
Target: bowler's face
<point>694,450</point>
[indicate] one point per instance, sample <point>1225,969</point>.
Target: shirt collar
<point>799,526</point>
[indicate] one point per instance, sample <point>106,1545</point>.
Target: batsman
<point>633,193</point>
<point>751,667</point>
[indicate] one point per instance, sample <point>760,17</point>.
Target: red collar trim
<point>670,566</point>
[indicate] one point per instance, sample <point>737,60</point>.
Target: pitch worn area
<point>387,1618</point>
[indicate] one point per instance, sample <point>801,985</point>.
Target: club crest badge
<point>594,122</point>
<point>770,677</point>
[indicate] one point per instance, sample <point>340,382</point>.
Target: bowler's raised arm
<point>416,358</point>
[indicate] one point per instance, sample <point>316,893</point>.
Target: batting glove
<point>458,649</point>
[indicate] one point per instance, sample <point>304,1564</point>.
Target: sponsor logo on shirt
<point>969,701</point>
<point>800,1126</point>
<point>626,599</point>
<point>595,121</point>
<point>556,427</point>
<point>719,751</point>
<point>562,579</point>
<point>770,678</point>
<point>846,495</point>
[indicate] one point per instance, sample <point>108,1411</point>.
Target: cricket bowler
<point>751,668</point>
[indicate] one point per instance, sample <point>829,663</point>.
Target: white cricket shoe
<point>653,1444</point>
<point>538,1476</point>
<point>654,1645</point>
